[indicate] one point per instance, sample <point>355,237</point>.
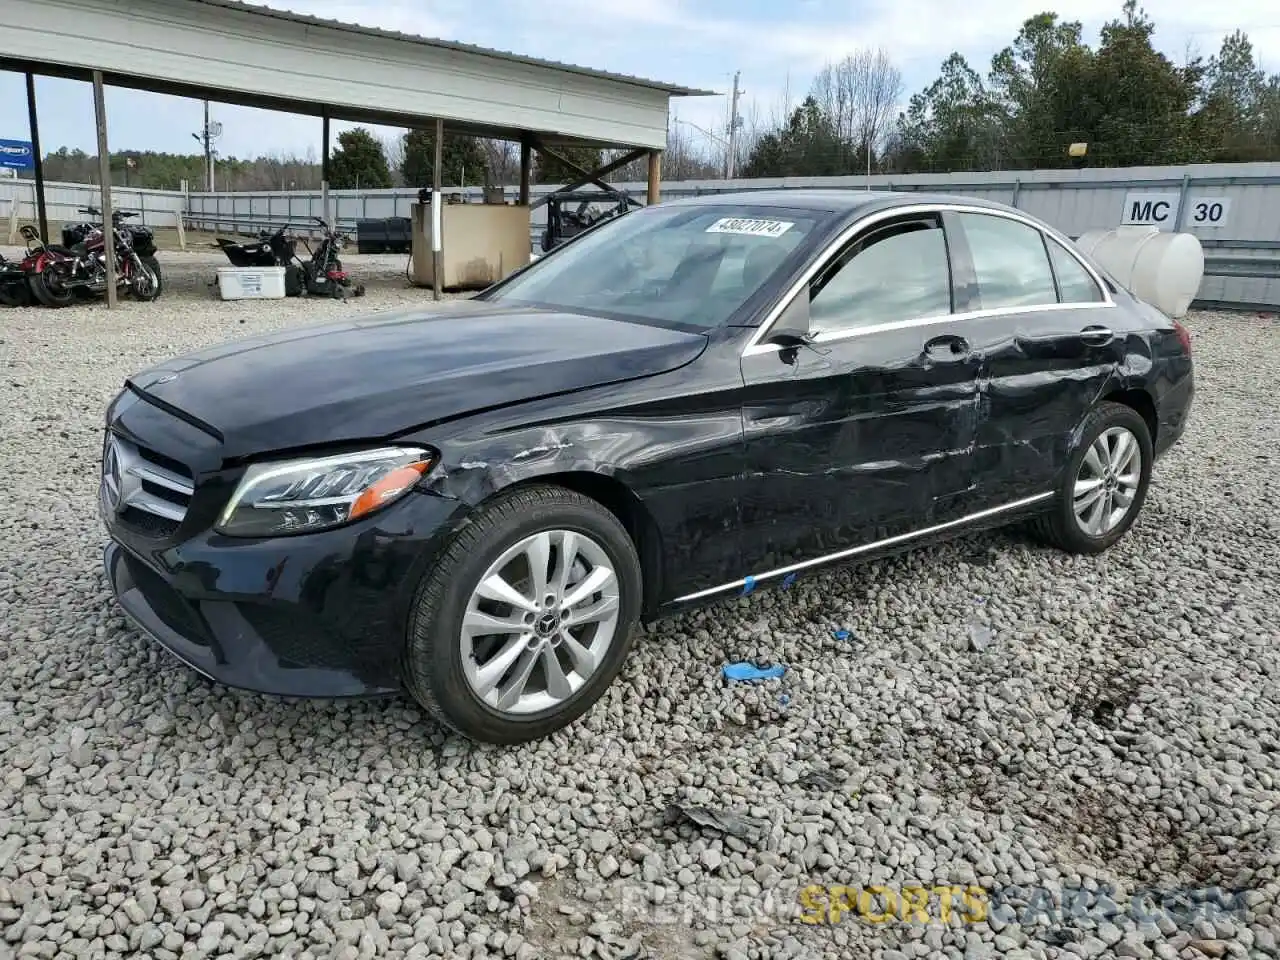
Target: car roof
<point>830,199</point>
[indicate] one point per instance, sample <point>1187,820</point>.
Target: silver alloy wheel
<point>540,621</point>
<point>1107,482</point>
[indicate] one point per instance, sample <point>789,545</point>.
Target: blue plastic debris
<point>788,580</point>
<point>745,672</point>
<point>842,634</point>
<point>784,699</point>
<point>748,585</point>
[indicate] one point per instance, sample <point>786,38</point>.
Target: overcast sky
<point>777,45</point>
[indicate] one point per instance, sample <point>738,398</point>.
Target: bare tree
<point>687,159</point>
<point>502,157</point>
<point>393,150</point>
<point>860,94</point>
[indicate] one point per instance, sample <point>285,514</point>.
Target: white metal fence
<point>157,208</point>
<point>1233,208</point>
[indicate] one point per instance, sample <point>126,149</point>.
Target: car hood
<point>382,375</point>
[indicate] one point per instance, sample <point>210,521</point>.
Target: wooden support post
<point>655,177</point>
<point>104,173</point>
<point>437,216</point>
<point>526,170</point>
<point>182,230</point>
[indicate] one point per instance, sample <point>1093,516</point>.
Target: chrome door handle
<point>1097,335</point>
<point>947,348</point>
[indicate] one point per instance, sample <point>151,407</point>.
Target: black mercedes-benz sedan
<point>478,501</point>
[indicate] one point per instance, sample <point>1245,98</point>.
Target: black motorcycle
<point>271,249</point>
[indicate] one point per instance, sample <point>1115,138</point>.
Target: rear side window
<point>1010,262</point>
<point>1074,283</point>
<point>898,272</point>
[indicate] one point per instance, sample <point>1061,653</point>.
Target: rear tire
<point>51,295</point>
<point>565,646</point>
<point>1104,484</point>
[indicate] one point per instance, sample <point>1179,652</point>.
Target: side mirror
<point>792,327</point>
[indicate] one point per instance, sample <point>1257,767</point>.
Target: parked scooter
<point>62,273</point>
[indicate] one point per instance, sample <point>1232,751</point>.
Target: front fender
<point>678,459</point>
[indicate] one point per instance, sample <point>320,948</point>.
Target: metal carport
<point>234,52</point>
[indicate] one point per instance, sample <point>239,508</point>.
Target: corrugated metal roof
<point>288,15</point>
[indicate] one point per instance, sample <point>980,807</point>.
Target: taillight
<point>1184,336</point>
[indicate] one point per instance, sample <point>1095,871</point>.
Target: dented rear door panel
<point>1040,376</point>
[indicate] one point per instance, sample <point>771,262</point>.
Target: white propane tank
<point>1164,269</point>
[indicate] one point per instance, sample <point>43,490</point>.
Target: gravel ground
<point>989,712</point>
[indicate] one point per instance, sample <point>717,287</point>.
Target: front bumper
<point>316,615</point>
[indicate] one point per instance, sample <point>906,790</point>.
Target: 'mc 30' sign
<point>1150,210</point>
<point>1161,210</point>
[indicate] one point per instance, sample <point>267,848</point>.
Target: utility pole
<point>206,137</point>
<point>734,121</point>
<point>208,152</point>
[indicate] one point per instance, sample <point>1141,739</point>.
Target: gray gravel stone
<point>1121,723</point>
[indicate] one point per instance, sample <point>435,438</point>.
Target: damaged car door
<point>860,426</point>
<point>1051,342</point>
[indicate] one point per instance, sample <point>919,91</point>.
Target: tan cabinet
<point>483,243</point>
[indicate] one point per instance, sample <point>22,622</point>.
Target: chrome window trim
<point>867,547</point>
<point>1065,243</point>
<point>754,346</point>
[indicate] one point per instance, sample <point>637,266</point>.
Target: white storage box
<point>251,283</point>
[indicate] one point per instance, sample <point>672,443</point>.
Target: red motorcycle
<point>15,275</point>
<point>62,274</point>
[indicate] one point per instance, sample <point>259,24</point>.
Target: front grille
<point>148,523</point>
<point>144,487</point>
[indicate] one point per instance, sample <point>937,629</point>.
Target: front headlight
<point>302,496</point>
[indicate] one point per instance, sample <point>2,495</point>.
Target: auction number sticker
<point>751,228</point>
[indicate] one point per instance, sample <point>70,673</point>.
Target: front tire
<point>1104,484</point>
<point>149,284</point>
<point>526,618</point>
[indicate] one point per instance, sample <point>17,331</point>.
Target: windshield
<point>685,265</point>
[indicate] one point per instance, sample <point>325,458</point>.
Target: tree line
<point>360,159</point>
<point>1049,89</point>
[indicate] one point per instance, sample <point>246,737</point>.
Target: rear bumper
<point>1173,411</point>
